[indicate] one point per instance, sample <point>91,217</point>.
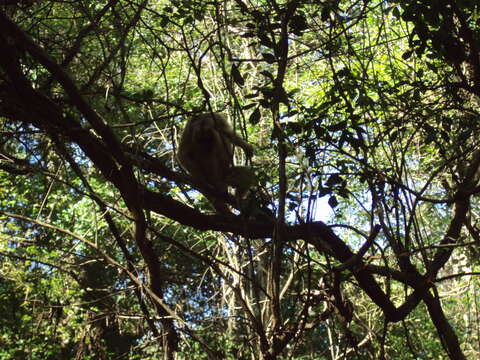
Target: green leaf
<point>237,77</point>
<point>255,116</point>
<point>396,12</point>
<point>269,58</point>
<point>333,202</point>
<point>334,179</point>
<point>298,24</point>
<point>407,54</point>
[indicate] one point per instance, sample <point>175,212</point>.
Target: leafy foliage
<point>358,238</point>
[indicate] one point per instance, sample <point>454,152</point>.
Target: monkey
<point>206,153</point>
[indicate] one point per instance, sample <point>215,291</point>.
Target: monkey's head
<point>205,137</point>
<point>204,132</point>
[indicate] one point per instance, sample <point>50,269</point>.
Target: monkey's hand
<point>242,178</point>
<point>248,151</point>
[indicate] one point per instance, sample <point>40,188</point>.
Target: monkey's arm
<point>226,129</point>
<point>237,140</point>
<point>185,147</point>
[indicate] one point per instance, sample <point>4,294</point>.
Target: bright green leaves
<point>443,29</point>
<point>255,116</point>
<point>298,24</point>
<point>237,76</point>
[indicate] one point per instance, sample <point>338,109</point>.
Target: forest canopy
<point>356,234</point>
